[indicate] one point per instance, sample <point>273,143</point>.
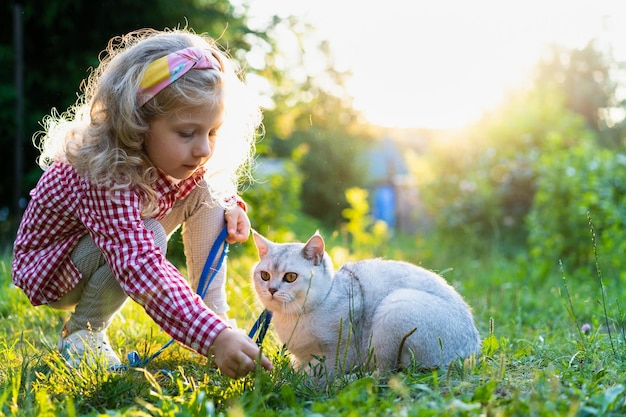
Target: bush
<point>482,183</point>
<point>575,186</point>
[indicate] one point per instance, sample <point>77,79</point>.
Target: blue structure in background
<point>384,207</point>
<point>386,168</point>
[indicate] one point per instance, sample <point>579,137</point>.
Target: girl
<point>158,139</point>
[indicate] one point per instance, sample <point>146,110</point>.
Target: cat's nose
<point>273,290</point>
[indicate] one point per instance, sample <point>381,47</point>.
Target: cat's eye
<point>265,276</point>
<point>290,277</point>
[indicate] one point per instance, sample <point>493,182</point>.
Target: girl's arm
<point>143,272</point>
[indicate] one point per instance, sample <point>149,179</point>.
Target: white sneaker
<point>93,347</point>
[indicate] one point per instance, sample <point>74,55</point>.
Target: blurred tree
<point>482,183</point>
<point>589,79</point>
<point>329,128</point>
<point>330,167</point>
<point>63,39</point>
<point>310,122</point>
<point>581,173</point>
<point>313,121</point>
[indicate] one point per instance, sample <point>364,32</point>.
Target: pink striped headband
<point>165,70</point>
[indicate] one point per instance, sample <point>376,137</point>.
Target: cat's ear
<point>262,244</point>
<point>314,249</point>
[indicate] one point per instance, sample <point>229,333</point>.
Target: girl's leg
<point>98,296</point>
<point>94,301</point>
<point>202,220</point>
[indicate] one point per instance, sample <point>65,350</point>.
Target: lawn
<point>553,345</point>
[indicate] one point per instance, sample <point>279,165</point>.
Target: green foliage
<point>274,198</point>
<point>573,183</point>
<point>588,78</point>
<point>329,169</point>
<point>364,234</point>
<point>313,124</point>
<point>481,185</point>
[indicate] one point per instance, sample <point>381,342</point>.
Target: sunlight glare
<point>442,64</point>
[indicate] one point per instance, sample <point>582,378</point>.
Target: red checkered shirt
<point>64,207</point>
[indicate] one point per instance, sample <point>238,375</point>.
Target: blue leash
<point>261,325</point>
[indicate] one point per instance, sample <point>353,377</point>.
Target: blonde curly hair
<point>102,134</point>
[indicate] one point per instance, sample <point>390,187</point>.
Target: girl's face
<point>181,142</point>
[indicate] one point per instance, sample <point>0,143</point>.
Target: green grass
<point>535,358</point>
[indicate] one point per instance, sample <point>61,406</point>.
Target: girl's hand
<point>238,225</point>
<point>236,354</point>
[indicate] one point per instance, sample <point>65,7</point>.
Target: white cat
<point>375,314</point>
